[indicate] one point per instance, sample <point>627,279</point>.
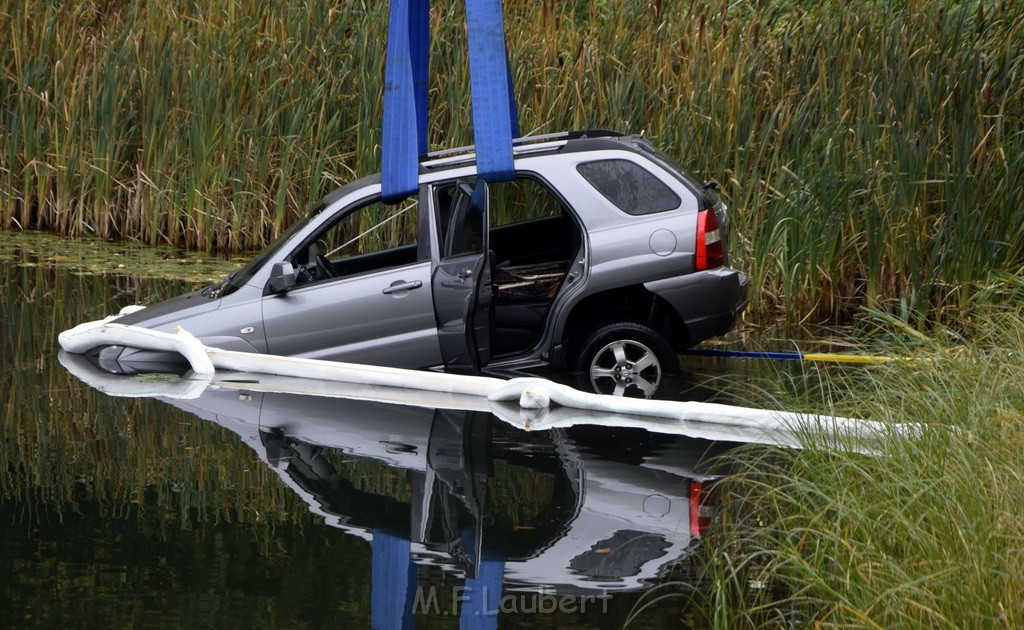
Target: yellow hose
<point>845,358</point>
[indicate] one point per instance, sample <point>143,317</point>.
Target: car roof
<point>352,186</point>
<point>561,142</point>
<point>575,142</point>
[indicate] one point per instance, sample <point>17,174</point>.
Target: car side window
<point>372,237</point>
<point>461,210</point>
<point>522,199</point>
<point>631,187</point>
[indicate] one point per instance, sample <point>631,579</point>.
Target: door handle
<point>402,286</point>
<point>465,273</point>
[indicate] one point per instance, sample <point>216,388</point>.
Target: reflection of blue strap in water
<point>495,122</point>
<point>482,597</point>
<point>393,582</point>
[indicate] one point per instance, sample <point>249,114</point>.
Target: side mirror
<point>282,277</point>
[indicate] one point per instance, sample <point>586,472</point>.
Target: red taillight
<point>702,508</point>
<point>709,252</point>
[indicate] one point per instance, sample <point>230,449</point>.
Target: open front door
<point>462,281</point>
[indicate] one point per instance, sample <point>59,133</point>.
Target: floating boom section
<point>532,398</point>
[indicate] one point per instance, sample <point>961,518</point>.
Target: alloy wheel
<point>625,367</point>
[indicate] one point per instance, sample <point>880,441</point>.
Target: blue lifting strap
<point>405,97</point>
<point>419,34</point>
<point>495,123</point>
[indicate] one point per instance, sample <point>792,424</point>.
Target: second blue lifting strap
<point>495,122</point>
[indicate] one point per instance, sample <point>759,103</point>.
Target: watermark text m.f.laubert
<point>427,601</point>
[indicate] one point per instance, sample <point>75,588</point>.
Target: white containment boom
<point>533,396</point>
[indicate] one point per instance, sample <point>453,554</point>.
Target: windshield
<point>238,278</point>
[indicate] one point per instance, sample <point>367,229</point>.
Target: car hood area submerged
<point>170,311</point>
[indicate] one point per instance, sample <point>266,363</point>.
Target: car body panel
<point>709,302</point>
<point>352,319</point>
<point>233,322</point>
<point>171,311</point>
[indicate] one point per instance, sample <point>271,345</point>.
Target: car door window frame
<point>428,192</point>
<point>422,244</point>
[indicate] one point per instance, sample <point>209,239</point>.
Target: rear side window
<point>631,187</point>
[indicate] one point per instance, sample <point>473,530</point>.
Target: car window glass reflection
<point>520,200</point>
<point>462,215</point>
<point>373,237</point>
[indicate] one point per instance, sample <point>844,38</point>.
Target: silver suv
<point>602,257</point>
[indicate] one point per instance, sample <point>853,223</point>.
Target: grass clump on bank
<point>927,532</point>
<point>871,152</point>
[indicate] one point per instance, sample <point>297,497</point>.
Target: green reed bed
<point>871,152</point>
<point>925,532</point>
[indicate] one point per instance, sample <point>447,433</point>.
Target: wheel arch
<point>629,303</point>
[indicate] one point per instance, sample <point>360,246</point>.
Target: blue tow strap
<point>495,121</point>
<point>419,34</point>
<point>494,111</point>
<point>405,97</point>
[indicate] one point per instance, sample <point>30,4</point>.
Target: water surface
<point>235,506</point>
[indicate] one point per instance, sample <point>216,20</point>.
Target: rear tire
<point>626,359</point>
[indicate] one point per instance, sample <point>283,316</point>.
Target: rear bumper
<point>709,302</point>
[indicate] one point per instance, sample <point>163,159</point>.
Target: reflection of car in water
<point>567,516</point>
<point>564,511</point>
<point>603,257</point>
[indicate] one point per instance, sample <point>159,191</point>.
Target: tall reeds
<point>927,531</point>
<point>871,153</point>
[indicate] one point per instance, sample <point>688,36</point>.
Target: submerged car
<point>603,257</point>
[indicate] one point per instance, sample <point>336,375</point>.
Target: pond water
<point>162,503</point>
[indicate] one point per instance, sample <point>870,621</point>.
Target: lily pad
<point>98,257</point>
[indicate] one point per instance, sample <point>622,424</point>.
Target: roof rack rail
<point>547,137</point>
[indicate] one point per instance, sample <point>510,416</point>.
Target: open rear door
<point>463,299</point>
